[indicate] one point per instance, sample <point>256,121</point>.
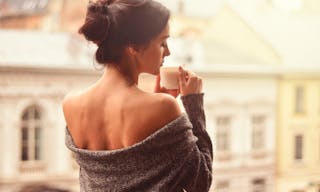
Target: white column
<point>10,142</point>
<point>61,154</point>
<point>246,133</point>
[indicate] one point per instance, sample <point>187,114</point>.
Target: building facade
<point>32,127</point>
<point>34,77</point>
<point>298,140</point>
<point>241,121</point>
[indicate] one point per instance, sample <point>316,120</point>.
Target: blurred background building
<point>261,68</point>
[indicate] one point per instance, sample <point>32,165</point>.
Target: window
<point>258,185</point>
<point>298,147</point>
<point>223,133</point>
<point>258,132</point>
<point>31,134</point>
<point>222,186</point>
<point>299,99</point>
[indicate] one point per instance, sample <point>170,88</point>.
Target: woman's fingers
<point>173,92</point>
<point>182,77</point>
<point>189,82</point>
<point>159,89</point>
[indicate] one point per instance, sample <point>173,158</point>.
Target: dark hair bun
<point>97,22</point>
<point>98,7</point>
<point>115,24</point>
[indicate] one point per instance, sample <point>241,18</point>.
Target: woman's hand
<point>189,82</point>
<point>159,89</point>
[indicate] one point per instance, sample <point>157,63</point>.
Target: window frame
<point>258,184</point>
<point>258,132</point>
<point>223,133</point>
<point>299,99</point>
<point>31,135</point>
<point>299,149</point>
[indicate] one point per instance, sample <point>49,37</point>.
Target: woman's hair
<point>114,25</point>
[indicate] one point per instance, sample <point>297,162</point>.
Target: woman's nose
<point>167,52</point>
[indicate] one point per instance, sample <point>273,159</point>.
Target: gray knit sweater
<point>177,157</point>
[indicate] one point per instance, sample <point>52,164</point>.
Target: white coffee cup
<point>169,76</point>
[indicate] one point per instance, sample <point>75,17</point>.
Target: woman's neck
<point>112,74</point>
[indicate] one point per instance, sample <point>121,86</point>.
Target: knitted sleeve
<point>198,176</point>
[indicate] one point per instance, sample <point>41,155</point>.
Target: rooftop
<point>45,49</point>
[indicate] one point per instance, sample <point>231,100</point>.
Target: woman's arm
<point>197,172</point>
<point>198,178</point>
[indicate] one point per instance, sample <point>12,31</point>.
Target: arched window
<point>31,134</point>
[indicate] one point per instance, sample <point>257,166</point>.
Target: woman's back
<point>177,157</point>
<point>100,119</point>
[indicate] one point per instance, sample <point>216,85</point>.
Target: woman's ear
<point>131,50</point>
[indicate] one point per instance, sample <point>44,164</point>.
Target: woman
<point>125,139</point>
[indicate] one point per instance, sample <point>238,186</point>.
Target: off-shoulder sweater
<point>177,157</point>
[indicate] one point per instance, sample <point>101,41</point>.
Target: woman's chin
<point>153,72</point>
<point>156,72</point>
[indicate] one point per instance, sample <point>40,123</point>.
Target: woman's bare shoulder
<point>70,102</point>
<point>69,99</point>
<point>71,110</point>
<point>162,109</point>
<point>154,112</point>
<point>166,106</point>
